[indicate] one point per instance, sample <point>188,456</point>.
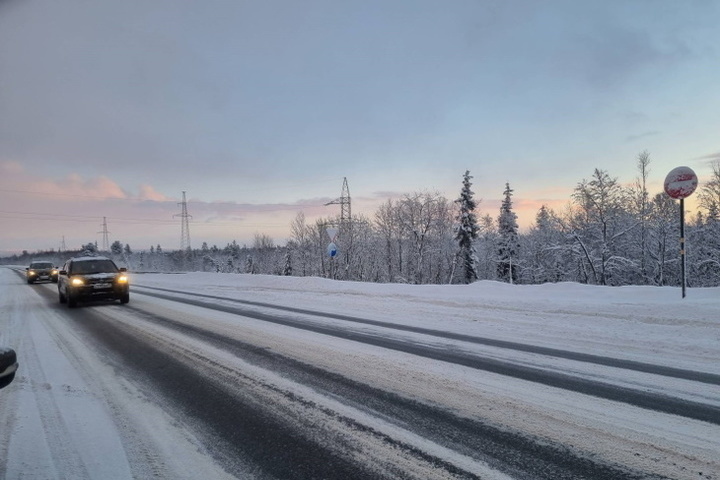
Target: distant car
<point>8,366</point>
<point>41,271</point>
<point>92,278</point>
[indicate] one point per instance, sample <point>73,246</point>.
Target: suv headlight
<point>31,272</point>
<point>76,282</point>
<point>122,279</point>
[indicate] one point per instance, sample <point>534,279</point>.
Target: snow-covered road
<point>274,377</point>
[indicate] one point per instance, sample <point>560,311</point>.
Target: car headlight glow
<point>32,272</point>
<point>122,279</point>
<point>54,272</point>
<point>76,282</point>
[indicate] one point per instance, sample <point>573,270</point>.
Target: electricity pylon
<point>345,233</point>
<point>344,202</point>
<point>106,239</point>
<point>185,225</point>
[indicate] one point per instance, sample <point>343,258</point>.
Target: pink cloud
<point>75,185</point>
<point>147,192</point>
<point>15,178</point>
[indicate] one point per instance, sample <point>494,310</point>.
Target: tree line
<point>609,233</point>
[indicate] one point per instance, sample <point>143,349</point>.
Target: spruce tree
<point>508,244</point>
<point>287,270</point>
<point>467,230</point>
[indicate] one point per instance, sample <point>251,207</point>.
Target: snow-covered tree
<point>424,219</point>
<point>598,224</point>
<point>508,245</point>
<point>709,195</point>
<point>116,247</point>
<point>302,243</point>
<point>487,248</point>
<point>467,230</point>
<point>388,227</point>
<point>287,269</point>
<point>543,248</point>
<point>640,201</point>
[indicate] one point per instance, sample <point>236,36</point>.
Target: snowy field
<point>641,324</point>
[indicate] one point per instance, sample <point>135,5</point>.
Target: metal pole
<point>682,244</point>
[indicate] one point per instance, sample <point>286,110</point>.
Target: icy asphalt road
<point>186,386</point>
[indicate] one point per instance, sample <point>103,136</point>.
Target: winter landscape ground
<point>75,411</point>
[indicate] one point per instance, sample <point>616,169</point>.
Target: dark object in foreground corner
<point>8,366</point>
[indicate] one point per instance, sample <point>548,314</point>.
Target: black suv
<point>92,278</point>
<point>38,271</point>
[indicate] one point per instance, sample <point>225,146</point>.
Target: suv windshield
<point>41,265</point>
<point>87,267</point>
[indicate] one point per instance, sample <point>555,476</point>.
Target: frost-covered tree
<point>287,269</point>
<point>543,248</point>
<point>709,195</point>
<point>467,230</point>
<point>487,248</point>
<point>599,223</point>
<point>116,247</point>
<point>704,239</point>
<point>424,219</point>
<point>508,245</point>
<point>388,227</point>
<point>302,243</point>
<point>662,241</point>
<point>640,201</point>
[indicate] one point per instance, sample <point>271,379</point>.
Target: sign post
<point>680,183</point>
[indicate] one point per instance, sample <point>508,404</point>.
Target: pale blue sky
<point>274,102</point>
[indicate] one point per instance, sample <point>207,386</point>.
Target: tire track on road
<point>684,374</point>
<point>647,400</point>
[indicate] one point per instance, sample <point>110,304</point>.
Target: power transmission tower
<point>344,202</point>
<point>185,225</point>
<point>62,245</point>
<point>105,240</point>
<point>345,233</point>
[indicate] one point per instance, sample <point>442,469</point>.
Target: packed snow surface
<point>62,384</point>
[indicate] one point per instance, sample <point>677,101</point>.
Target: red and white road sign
<point>681,182</point>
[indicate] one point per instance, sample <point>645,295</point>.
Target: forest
<point>609,233</point>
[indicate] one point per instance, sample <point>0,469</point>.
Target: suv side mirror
<point>123,269</point>
<point>62,272</point>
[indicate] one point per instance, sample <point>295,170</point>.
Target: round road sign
<point>681,182</point>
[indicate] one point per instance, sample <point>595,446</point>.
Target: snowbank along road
<point>192,380</point>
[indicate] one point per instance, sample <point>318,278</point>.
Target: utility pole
<point>184,225</point>
<point>105,240</point>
